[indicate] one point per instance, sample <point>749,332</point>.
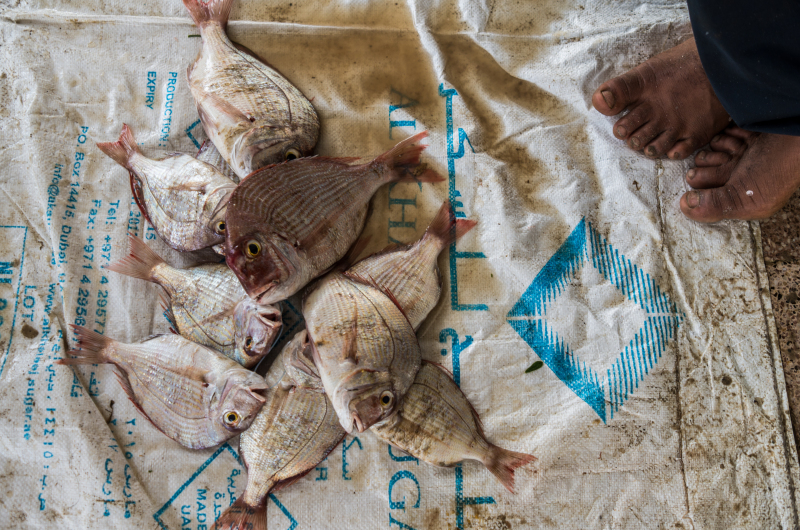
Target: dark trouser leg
<point>751,54</point>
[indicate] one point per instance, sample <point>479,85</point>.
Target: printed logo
<point>596,319</point>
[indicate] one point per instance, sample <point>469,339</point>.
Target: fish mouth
<point>367,413</point>
<point>262,296</point>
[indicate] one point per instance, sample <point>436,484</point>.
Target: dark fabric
<point>751,53</point>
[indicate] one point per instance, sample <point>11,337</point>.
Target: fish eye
<point>248,342</point>
<point>231,418</point>
<point>387,398</point>
<point>221,227</point>
<point>253,248</point>
<point>292,154</point>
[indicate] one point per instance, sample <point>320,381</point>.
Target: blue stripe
<point>642,356</point>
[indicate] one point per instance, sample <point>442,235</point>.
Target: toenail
<point>651,151</point>
<point>677,155</point>
<point>693,199</point>
<point>716,138</point>
<point>608,97</point>
<point>690,174</point>
<point>635,142</point>
<point>622,131</point>
<point>701,155</point>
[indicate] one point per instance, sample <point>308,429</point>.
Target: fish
<point>191,393</point>
<point>289,223</point>
<point>206,304</point>
<point>411,272</point>
<point>295,430</point>
<point>437,424</point>
<point>253,115</point>
<point>364,348</point>
<point>183,198</point>
<point>209,154</point>
<point>297,359</point>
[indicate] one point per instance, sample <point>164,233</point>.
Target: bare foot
<point>745,175</point>
<point>672,107</point>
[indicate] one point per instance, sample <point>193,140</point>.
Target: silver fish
<point>411,272</point>
<point>209,154</point>
<point>207,305</point>
<point>437,424</point>
<point>293,433</point>
<point>191,393</point>
<point>364,347</point>
<point>253,114</point>
<point>289,223</point>
<point>182,197</point>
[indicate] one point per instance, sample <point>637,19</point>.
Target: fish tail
<point>204,13</point>
<point>93,348</point>
<point>446,228</point>
<point>241,516</point>
<point>403,162</point>
<point>139,263</point>
<point>502,463</point>
<point>123,149</point>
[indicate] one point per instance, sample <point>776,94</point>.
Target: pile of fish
<point>284,222</point>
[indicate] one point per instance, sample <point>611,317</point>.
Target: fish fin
<point>443,369</point>
<point>350,349</point>
<point>91,347</point>
<point>139,263</point>
<point>446,228</point>
<point>370,281</point>
<point>138,196</point>
<point>502,463</point>
<point>209,154</point>
<point>234,115</point>
<point>241,516</point>
<point>121,150</point>
<point>346,160</point>
<point>166,306</point>
<point>204,13</point>
<point>403,162</point>
<point>352,255</point>
<point>247,51</point>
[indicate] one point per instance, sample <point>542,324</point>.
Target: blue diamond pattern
<point>604,393</point>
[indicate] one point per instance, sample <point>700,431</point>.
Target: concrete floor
<point>781,240</point>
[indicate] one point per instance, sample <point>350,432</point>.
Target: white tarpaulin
<point>659,401</point>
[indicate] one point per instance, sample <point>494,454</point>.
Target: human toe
<point>738,132</point>
<point>707,158</point>
<point>613,96</point>
<point>632,121</point>
<point>683,148</point>
<point>661,144</point>
<point>644,135</point>
<point>708,177</point>
<point>727,144</point>
<point>727,202</point>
